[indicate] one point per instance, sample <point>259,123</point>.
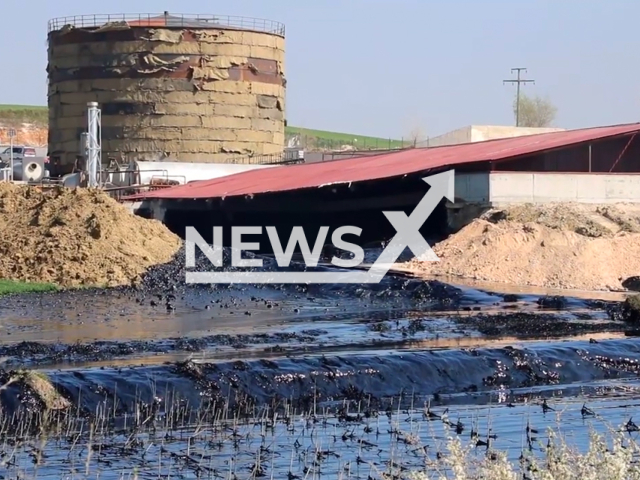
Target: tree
<point>534,111</point>
<point>416,137</point>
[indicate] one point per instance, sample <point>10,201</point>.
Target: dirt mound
<point>26,134</point>
<point>36,386</point>
<point>76,237</point>
<point>559,246</point>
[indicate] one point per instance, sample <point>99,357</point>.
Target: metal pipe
<point>12,133</point>
<point>169,177</point>
<point>94,150</point>
<point>193,171</point>
<point>11,158</point>
<point>135,172</point>
<point>589,158</point>
<point>135,187</point>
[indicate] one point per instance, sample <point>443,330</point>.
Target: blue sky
<point>384,68</point>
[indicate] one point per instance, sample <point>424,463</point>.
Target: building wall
<point>502,188</point>
<point>481,133</point>
<point>473,187</point>
<point>455,137</point>
<point>196,95</point>
<point>617,155</point>
<point>508,188</point>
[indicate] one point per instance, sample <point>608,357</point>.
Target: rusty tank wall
<point>190,94</point>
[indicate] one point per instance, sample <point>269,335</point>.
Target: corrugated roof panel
<point>295,177</point>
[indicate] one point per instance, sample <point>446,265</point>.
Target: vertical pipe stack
<point>94,147</point>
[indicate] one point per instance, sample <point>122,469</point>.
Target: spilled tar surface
<point>176,381</point>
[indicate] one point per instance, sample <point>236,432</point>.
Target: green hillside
<point>308,138</point>
<point>324,139</point>
<point>22,107</point>
<point>24,114</point>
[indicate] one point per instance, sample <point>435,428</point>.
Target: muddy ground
<point>356,365</point>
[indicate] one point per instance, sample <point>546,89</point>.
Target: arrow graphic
<point>408,228</point>
<point>408,235</point>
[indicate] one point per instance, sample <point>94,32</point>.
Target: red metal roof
<point>310,175</point>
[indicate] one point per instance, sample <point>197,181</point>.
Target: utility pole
<point>518,81</point>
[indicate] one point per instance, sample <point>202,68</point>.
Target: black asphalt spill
<point>161,350</point>
<point>377,379</point>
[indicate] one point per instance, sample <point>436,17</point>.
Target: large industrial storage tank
<point>189,88</point>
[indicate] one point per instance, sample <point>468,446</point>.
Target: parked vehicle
<point>19,153</point>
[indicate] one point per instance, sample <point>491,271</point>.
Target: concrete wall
<point>456,137</point>
<point>481,133</point>
<point>508,188</point>
<point>499,189</point>
<point>194,94</point>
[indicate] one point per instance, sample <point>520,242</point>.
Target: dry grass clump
<point>41,388</point>
<point>627,221</point>
<point>559,461</point>
<point>76,237</point>
<point>558,217</point>
<point>225,444</point>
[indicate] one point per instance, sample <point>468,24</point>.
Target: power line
<point>518,81</point>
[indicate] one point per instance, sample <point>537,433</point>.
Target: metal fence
<point>177,20</point>
<point>313,143</point>
<point>284,158</point>
<point>313,157</point>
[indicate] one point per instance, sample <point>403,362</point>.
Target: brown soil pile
<point>76,237</point>
<point>30,135</point>
<point>559,246</point>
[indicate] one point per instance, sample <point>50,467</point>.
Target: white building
<point>480,133</point>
